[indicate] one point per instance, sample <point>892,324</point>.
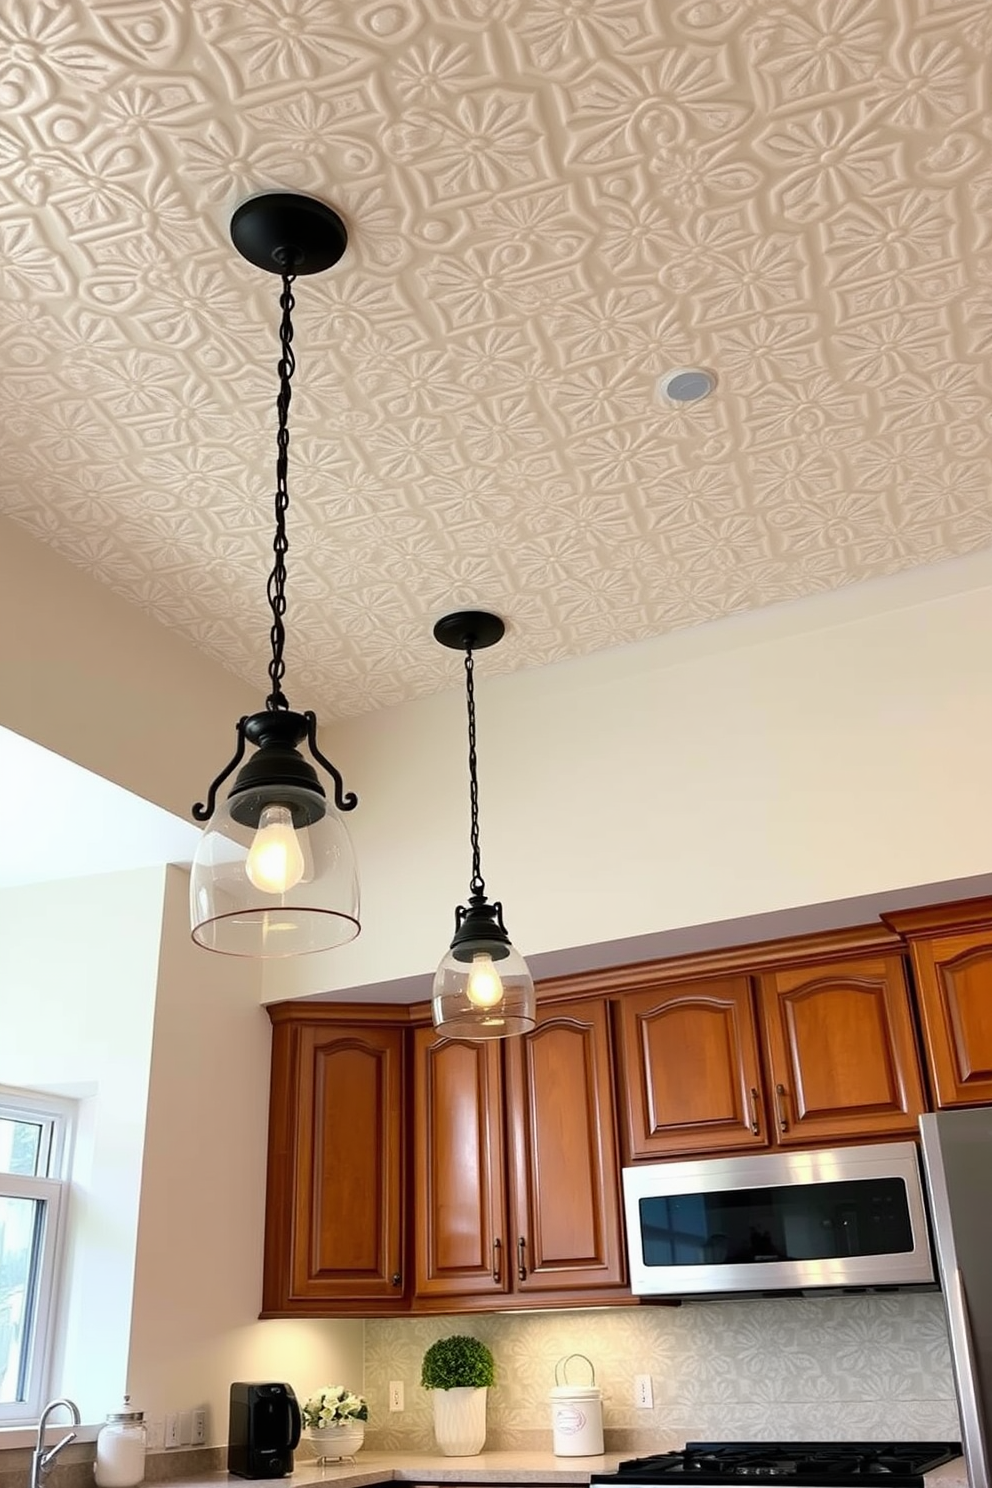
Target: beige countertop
<point>430,1467</point>
<point>370,1468</point>
<point>951,1475</point>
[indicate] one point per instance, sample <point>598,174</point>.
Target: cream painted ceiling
<point>550,203</point>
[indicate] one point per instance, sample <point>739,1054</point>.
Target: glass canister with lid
<point>120,1448</point>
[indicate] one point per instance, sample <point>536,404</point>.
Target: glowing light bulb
<point>275,858</point>
<point>484,989</point>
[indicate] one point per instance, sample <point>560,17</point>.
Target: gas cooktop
<point>807,1464</point>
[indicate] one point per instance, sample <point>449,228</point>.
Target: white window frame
<point>50,1187</point>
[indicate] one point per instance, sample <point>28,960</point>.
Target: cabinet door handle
<point>755,1123</point>
<point>521,1263</point>
<point>396,1278</point>
<point>783,1120</point>
<point>497,1261</point>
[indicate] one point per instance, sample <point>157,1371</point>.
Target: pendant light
<point>274,873</point>
<point>482,988</point>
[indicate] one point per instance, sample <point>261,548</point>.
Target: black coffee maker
<point>263,1430</point>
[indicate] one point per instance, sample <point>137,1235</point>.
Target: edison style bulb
<point>319,907</point>
<point>472,999</point>
<point>484,988</point>
<point>275,861</point>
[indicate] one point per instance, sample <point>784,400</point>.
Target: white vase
<point>460,1420</point>
<point>334,1442</point>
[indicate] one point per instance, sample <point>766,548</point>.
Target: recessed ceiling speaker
<point>686,385</point>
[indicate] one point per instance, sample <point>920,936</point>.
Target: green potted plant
<point>458,1371</point>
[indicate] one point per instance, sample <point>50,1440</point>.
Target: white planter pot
<point>334,1442</point>
<point>460,1421</point>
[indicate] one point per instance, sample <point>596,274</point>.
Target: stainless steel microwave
<point>839,1219</point>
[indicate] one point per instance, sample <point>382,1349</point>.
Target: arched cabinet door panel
<point>842,1060</point>
<point>954,981</point>
<point>951,947</point>
<point>460,1206</point>
<point>957,1011</point>
<point>564,1169</point>
<point>335,1196</point>
<point>692,1078</point>
<point>516,1169</point>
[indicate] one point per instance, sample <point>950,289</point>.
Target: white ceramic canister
<point>120,1449</point>
<point>576,1413</point>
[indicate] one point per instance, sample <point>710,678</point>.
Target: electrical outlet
<point>185,1428</point>
<point>643,1393</point>
<point>171,1431</point>
<point>199,1427</point>
<point>395,1395</point>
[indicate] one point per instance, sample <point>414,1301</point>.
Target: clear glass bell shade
<point>488,996</point>
<point>271,889</point>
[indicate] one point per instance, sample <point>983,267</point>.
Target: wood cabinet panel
<point>336,1192</point>
<point>691,1071</point>
<point>458,1167</point>
<point>565,1180</point>
<point>954,981</point>
<point>841,1050</point>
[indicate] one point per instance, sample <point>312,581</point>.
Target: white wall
<point>104,684</point>
<point>78,974</point>
<point>199,1264</point>
<point>831,748</point>
<point>104,997</point>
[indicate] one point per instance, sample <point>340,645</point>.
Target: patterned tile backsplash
<point>839,1368</point>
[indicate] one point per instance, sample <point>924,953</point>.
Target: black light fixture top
<point>469,630</point>
<point>285,233</point>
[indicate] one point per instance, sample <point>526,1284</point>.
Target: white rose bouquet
<point>333,1405</point>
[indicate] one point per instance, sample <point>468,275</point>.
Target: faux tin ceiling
<point>551,202</point>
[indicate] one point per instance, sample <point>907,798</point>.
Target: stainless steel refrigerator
<point>957,1160</point>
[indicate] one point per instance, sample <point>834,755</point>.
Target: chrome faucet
<point>42,1462</point>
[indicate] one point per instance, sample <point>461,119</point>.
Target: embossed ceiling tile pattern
<point>549,206</point>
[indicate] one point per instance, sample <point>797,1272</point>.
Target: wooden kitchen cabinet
<point>841,1052</point>
<point>798,1047</point>
<point>335,1196</point>
<point>494,1164</point>
<point>565,1207</point>
<point>692,1079</point>
<point>517,1188</point>
<point>458,1167</point>
<point>951,949</point>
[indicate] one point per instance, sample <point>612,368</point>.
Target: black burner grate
<point>816,1464</point>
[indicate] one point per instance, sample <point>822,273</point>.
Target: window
<point>35,1131</point>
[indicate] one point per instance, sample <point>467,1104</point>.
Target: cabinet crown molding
<point>303,1010</point>
<point>760,956</point>
<point>941,919</point>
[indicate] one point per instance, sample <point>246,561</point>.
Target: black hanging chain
<point>477,883</point>
<point>276,589</point>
